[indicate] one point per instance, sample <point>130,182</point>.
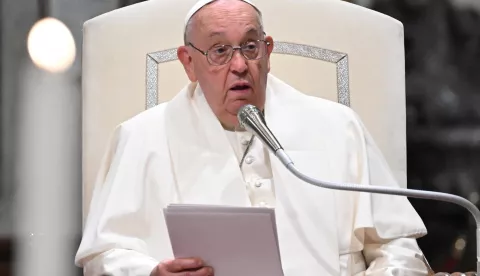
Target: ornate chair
<point>327,48</point>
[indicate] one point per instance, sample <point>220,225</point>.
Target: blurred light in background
<point>48,154</point>
<point>51,45</point>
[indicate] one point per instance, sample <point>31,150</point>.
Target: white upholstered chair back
<point>327,48</point>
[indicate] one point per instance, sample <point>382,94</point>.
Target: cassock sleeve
<point>386,225</point>
<point>125,225</point>
<point>397,257</point>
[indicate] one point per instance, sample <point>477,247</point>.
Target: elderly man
<point>192,150</point>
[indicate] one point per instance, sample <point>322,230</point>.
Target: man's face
<point>240,81</point>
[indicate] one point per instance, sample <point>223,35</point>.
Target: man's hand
<point>182,267</point>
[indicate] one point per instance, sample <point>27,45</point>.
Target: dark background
<point>442,42</point>
<point>443,132</point>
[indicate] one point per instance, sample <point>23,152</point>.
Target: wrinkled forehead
<point>227,22</point>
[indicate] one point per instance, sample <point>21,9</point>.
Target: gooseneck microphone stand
<point>253,121</point>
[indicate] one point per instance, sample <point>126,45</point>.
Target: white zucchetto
<point>201,3</point>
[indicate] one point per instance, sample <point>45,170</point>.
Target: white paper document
<point>235,241</point>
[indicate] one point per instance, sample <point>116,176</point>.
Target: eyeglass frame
<point>234,48</point>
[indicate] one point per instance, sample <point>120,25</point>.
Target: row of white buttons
<point>260,190</point>
<point>263,193</point>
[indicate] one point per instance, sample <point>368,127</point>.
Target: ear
<point>186,60</point>
<point>269,49</point>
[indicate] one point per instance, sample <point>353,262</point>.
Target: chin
<point>232,121</point>
<point>235,122</point>
<point>226,118</point>
<point>235,106</point>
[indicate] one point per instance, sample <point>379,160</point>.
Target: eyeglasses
<point>222,54</point>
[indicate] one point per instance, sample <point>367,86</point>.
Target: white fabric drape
<point>178,153</point>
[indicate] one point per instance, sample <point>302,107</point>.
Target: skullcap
<point>202,3</point>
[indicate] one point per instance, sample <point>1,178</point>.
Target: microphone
<point>251,118</point>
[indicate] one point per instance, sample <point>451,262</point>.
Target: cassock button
<point>249,160</point>
<point>245,141</point>
<point>258,184</point>
<point>262,204</point>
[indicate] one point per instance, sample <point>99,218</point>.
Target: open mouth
<point>240,87</point>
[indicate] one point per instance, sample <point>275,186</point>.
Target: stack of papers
<point>235,241</point>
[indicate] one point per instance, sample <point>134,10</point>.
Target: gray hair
<point>191,21</point>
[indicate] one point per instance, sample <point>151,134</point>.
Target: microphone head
<point>249,111</point>
<point>252,119</point>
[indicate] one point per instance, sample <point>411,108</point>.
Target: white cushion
<point>353,54</point>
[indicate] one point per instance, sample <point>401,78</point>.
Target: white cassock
<point>178,152</point>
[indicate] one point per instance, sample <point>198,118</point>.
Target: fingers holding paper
<point>182,267</point>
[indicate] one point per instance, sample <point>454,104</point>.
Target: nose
<point>238,64</point>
